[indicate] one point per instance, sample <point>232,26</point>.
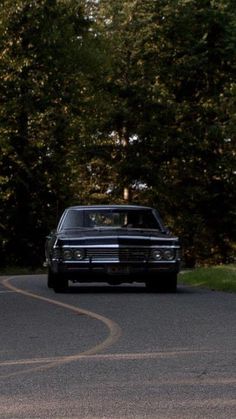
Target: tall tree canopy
<point>98,96</point>
<point>173,71</point>
<point>42,70</point>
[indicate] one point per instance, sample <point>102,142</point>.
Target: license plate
<point>117,270</point>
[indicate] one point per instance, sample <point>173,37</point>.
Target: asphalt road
<point>115,352</point>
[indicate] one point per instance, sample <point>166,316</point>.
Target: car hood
<point>114,236</point>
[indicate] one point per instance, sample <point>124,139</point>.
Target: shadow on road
<point>125,289</point>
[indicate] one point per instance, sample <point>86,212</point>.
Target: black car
<point>114,244</point>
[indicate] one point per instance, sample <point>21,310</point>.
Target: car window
<point>73,219</point>
<point>98,218</point>
<point>106,219</point>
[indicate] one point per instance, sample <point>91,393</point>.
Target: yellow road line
<point>113,328</point>
<point>130,356</point>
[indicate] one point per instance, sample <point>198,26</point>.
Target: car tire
<point>57,282</point>
<point>171,283</point>
<point>60,284</point>
<point>50,279</point>
<point>165,283</point>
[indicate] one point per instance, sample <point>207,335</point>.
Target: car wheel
<point>165,283</point>
<point>57,282</point>
<point>60,284</point>
<point>171,283</point>
<point>50,279</point>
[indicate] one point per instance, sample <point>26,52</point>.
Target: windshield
<point>113,218</point>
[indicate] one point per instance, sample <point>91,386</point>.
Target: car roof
<point>88,207</point>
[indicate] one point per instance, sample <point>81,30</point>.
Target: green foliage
<point>172,74</point>
<point>40,70</point>
<point>98,96</point>
<point>217,278</point>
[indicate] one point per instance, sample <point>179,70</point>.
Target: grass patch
<point>219,278</point>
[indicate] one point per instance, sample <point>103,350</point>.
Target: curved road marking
<point>114,328</point>
<point>130,356</point>
<point>92,353</point>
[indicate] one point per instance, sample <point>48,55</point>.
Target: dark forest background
<point>102,97</point>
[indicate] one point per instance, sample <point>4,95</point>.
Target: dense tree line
<point>98,97</point>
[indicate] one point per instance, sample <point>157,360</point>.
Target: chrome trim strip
<point>117,246</point>
<point>120,237</point>
<point>111,262</point>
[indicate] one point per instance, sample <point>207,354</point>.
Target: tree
<point>98,97</point>
<point>172,72</point>
<point>42,51</point>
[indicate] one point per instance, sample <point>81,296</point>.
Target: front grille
<point>118,254</point>
<point>102,254</point>
<point>135,255</point>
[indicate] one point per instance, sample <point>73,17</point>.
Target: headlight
<point>79,254</point>
<point>73,254</point>
<point>157,254</point>
<point>67,254</point>
<point>169,254</point>
<point>163,254</point>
